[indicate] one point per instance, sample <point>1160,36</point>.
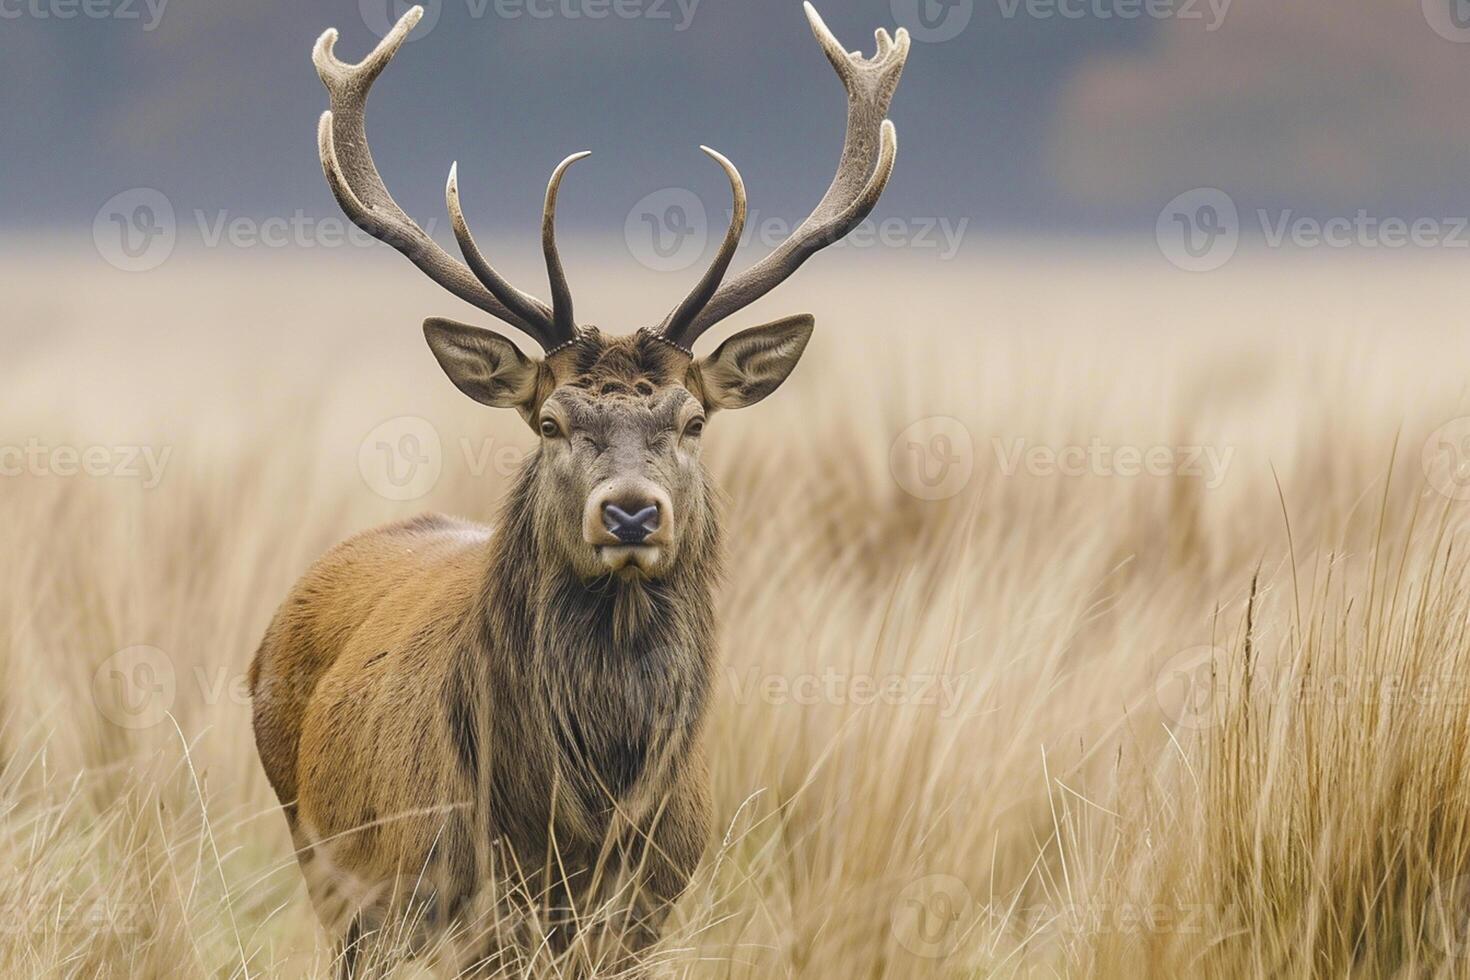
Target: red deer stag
<point>466,725</point>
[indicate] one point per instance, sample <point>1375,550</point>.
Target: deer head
<point>617,478</point>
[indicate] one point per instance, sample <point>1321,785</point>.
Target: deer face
<point>621,419</point>
<point>618,483</point>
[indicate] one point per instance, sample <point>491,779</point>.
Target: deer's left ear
<point>483,364</point>
<point>753,363</point>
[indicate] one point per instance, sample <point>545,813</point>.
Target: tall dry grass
<point>1197,727</point>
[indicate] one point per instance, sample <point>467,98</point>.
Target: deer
<point>467,723</point>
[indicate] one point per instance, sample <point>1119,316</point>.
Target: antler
<point>866,164</point>
<point>362,195</point>
<point>561,294</point>
<point>677,323</point>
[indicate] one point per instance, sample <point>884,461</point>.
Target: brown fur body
<point>443,710</point>
<point>441,707</point>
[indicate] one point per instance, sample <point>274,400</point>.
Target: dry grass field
<point>1172,679</point>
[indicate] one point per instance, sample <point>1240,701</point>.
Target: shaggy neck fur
<point>601,685</point>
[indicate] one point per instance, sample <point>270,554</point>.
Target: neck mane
<point>601,683</point>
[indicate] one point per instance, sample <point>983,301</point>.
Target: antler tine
<point>564,324</point>
<point>526,307</point>
<point>369,68</point>
<point>868,154</point>
<point>359,189</point>
<point>836,53</point>
<point>677,322</point>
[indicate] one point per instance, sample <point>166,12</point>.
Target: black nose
<point>630,528</point>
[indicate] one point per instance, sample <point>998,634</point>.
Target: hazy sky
<point>1014,115</point>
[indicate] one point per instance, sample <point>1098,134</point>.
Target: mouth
<point>630,559</point>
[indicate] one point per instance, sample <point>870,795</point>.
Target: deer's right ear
<point>483,364</point>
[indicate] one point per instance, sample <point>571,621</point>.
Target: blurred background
<point>1016,117</point>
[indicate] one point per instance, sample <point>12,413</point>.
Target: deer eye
<point>550,429</point>
<point>695,427</point>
